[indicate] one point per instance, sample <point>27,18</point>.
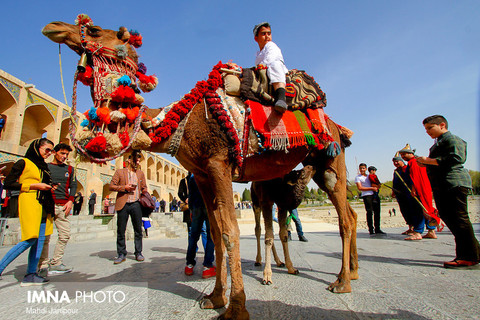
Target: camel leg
<point>216,299</point>
<point>353,245</point>
<point>258,228</point>
<point>267,218</point>
<point>219,200</point>
<point>282,221</point>
<point>338,196</point>
<point>279,262</point>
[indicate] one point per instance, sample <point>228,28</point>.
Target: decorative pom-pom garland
<point>180,110</point>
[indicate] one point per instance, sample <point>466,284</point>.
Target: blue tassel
<point>124,81</point>
<point>333,149</point>
<point>84,123</point>
<point>92,114</point>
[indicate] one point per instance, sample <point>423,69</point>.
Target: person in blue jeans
<point>31,176</point>
<point>298,226</point>
<point>199,217</point>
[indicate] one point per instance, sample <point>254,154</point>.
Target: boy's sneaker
<point>33,279</point>
<point>59,268</point>
<point>209,272</point>
<point>189,269</point>
<point>43,272</point>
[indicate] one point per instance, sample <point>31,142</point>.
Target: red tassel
<point>97,144</point>
<point>124,138</point>
<point>123,94</point>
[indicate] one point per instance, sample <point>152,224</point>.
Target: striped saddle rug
<point>290,129</point>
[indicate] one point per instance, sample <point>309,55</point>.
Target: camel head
<point>71,35</point>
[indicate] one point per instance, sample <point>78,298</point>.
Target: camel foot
<point>258,264</point>
<point>294,271</point>
<point>235,314</point>
<point>266,282</point>
<point>340,287</point>
<point>281,265</point>
<point>354,275</point>
<point>213,302</point>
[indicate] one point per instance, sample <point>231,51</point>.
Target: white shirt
<point>365,182</point>
<point>270,53</point>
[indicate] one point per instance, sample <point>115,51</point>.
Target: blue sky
<point>384,65</point>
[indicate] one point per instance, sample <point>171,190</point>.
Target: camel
<point>206,151</point>
<point>287,193</point>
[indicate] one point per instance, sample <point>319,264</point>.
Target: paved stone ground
<point>398,280</point>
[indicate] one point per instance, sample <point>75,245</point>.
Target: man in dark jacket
<point>92,200</point>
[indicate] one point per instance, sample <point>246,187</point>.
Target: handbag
<point>183,206</point>
<point>146,201</point>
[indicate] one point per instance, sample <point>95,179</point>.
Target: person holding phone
<point>31,177</point>
<point>129,183</point>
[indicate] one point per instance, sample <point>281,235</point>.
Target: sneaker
<point>119,259</point>
<point>59,268</point>
<point>139,257</point>
<point>189,269</point>
<point>209,272</point>
<point>33,279</point>
<point>43,272</point>
<point>380,232</point>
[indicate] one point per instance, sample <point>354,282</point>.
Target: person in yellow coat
<point>35,207</point>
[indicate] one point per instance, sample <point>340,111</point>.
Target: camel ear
<point>123,34</point>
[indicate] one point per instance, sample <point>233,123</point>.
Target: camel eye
<point>94,31</point>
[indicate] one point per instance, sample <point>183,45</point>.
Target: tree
<point>475,175</point>
<point>307,195</point>
<point>246,196</point>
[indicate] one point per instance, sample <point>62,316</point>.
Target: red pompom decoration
<point>123,94</point>
<point>135,40</point>
<point>86,77</point>
<point>97,144</point>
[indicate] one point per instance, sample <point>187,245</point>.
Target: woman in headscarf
<point>35,207</point>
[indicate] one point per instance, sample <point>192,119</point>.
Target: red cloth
<point>422,188</point>
<point>374,180</point>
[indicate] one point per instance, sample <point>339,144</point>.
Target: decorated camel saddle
<point>239,99</point>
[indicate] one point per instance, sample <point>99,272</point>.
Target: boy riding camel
<point>271,56</point>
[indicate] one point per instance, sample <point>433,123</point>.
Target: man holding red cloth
<point>424,211</point>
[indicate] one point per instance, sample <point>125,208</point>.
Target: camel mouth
<point>55,31</point>
<point>49,32</point>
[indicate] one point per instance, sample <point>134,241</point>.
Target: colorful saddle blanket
<point>301,89</point>
<point>290,129</point>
